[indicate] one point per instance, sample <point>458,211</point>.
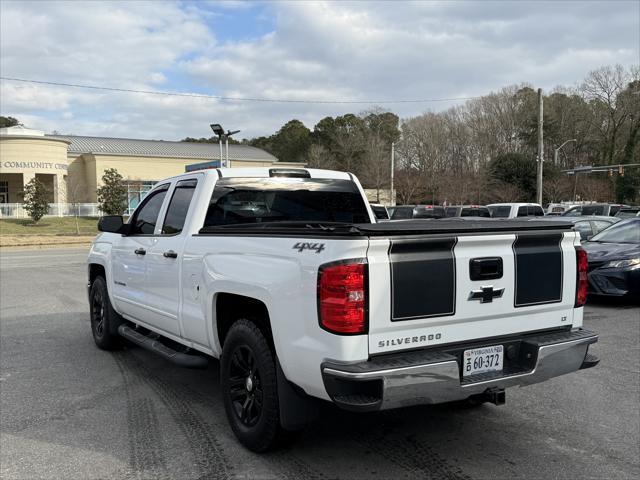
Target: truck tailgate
<point>442,288</point>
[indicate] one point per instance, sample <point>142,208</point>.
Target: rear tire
<point>104,319</point>
<point>249,387</point>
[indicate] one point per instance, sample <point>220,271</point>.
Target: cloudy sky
<point>324,51</point>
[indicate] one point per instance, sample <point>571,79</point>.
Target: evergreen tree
<point>36,199</point>
<point>112,195</point>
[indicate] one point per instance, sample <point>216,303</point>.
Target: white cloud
<point>320,51</point>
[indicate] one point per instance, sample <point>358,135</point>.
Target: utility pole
<point>392,200</point>
<point>540,147</point>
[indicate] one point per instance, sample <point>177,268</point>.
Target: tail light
<point>342,297</point>
<point>582,281</point>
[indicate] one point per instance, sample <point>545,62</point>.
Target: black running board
<point>155,346</point>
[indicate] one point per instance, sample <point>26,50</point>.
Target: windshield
<point>624,232</point>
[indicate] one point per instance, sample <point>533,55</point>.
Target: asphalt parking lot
<point>69,410</point>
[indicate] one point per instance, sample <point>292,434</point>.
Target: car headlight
<point>631,262</point>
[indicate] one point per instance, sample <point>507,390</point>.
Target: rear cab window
<point>500,211</point>
<point>264,200</point>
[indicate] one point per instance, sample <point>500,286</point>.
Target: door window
<point>145,218</point>
<point>522,211</point>
<point>179,206</point>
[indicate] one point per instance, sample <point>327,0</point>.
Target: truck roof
<point>266,172</point>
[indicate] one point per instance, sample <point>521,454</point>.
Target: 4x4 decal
<point>302,246</point>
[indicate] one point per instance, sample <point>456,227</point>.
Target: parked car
<point>586,226</point>
<point>614,260</point>
<point>380,211</point>
<point>514,210</point>
<point>406,212</point>
<point>628,212</point>
<point>467,211</point>
<point>304,297</point>
<point>558,208</point>
<point>606,209</point>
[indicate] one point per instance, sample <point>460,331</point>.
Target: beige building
<point>72,166</point>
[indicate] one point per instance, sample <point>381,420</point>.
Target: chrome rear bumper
<point>429,377</point>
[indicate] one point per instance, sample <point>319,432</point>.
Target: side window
<point>536,211</point>
<point>522,211</point>
<point>451,211</point>
<point>179,206</point>
<point>613,210</point>
<point>145,218</point>
<point>599,225</point>
<point>484,212</point>
<point>584,228</point>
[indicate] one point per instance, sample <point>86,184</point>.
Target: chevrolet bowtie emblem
<point>486,294</point>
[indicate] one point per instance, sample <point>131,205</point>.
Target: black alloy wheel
<point>104,319</point>
<point>98,314</point>
<point>245,386</point>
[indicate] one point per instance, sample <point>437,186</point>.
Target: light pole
<point>226,146</point>
<point>218,130</point>
<point>555,152</point>
<point>392,200</point>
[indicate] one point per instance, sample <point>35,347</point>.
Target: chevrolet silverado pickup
<point>286,278</point>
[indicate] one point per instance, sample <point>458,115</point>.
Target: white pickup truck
<point>285,276</point>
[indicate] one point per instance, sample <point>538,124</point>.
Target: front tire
<point>249,386</point>
<point>104,319</point>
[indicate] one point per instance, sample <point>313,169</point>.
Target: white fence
<point>16,210</point>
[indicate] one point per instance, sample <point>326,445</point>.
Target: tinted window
<point>500,211</point>
<point>380,212</point>
<point>434,212</point>
<point>536,211</point>
<point>401,213</point>
<point>145,218</point>
<point>573,212</point>
<point>260,200</point>
<point>593,210</point>
<point>624,232</point>
<point>522,211</point>
<point>614,209</point>
<point>483,212</point>
<point>451,211</point>
<point>178,207</point>
<point>627,213</point>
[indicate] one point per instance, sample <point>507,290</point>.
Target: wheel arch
<point>229,307</point>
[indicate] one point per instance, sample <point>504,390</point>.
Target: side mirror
<point>111,224</point>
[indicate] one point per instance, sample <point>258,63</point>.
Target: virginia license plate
<point>482,360</point>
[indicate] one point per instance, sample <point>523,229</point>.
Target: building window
<point>4,191</point>
<point>136,191</point>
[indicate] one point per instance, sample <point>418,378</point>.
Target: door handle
<point>140,251</point>
<point>170,254</point>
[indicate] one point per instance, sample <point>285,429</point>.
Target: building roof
<point>161,148</point>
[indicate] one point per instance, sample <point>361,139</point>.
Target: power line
<point>237,99</point>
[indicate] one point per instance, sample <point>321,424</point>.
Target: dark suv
<point>468,211</point>
<point>405,212</point>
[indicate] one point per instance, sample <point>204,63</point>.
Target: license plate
<point>482,360</point>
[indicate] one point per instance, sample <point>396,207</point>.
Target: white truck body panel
<point>176,297</point>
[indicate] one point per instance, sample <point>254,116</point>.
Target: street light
<point>555,152</point>
<point>219,131</point>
